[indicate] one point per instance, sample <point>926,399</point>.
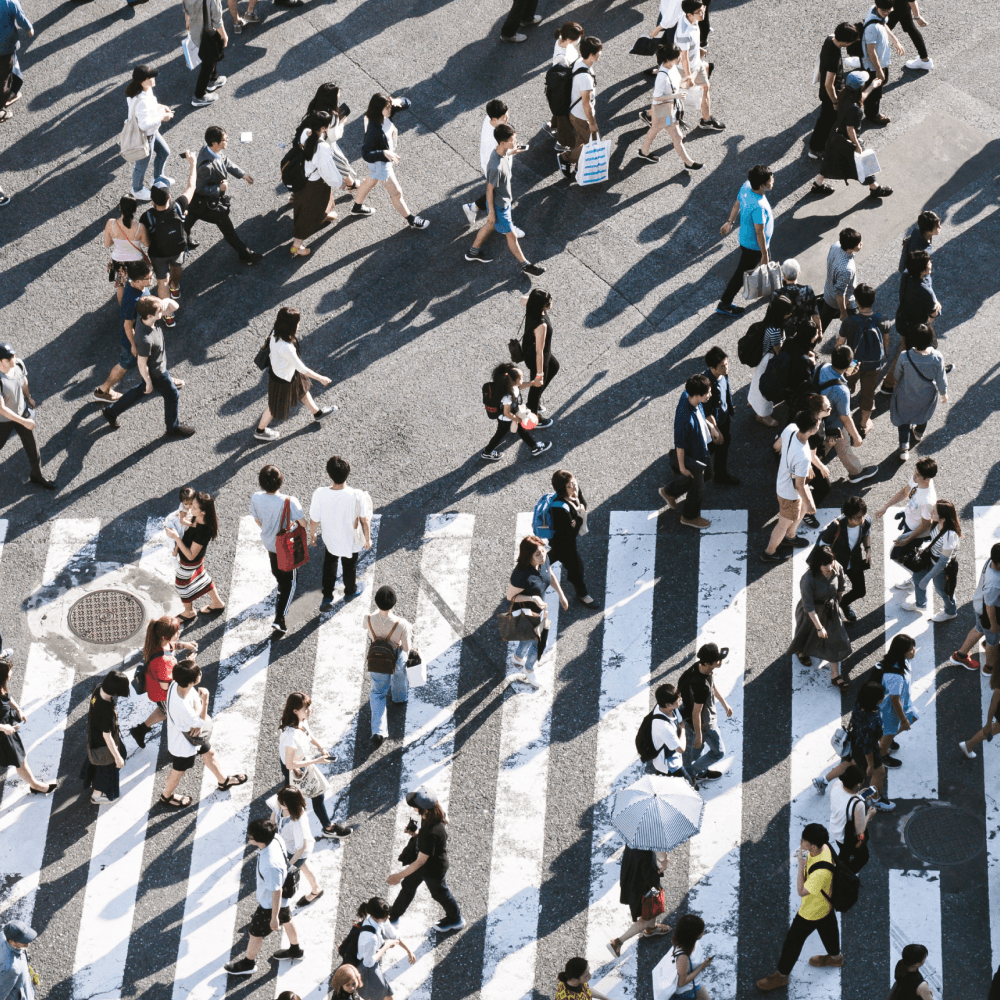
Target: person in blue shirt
<point>692,437</point>
<point>756,226</point>
<point>15,975</point>
<point>719,413</point>
<point>831,380</point>
<point>12,17</point>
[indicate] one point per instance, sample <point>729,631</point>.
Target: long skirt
<point>192,582</point>
<point>805,642</point>
<point>102,778</point>
<point>310,207</point>
<point>282,395</point>
<point>761,406</point>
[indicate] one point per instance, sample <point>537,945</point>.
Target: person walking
<point>805,309</point>
<point>149,115</point>
<point>841,271</point>
<point>920,495</point>
<point>986,595</point>
<point>795,499</point>
<point>151,360</point>
<point>946,536</point>
<point>376,936</point>
<point>819,624</point>
<point>831,380</point>
<point>203,22</point>
<point>907,13</point>
<point>168,240</point>
<point>565,53</point>
<point>574,982</point>
<point>849,818</point>
<point>105,747</point>
<point>288,814</point>
<point>814,885</point>
<point>719,413</point>
<point>664,113</point>
<point>907,982</point>
<point>16,977</point>
<point>289,379</point>
<point>17,412</point>
<point>314,207</point>
<point>336,512</point>
<point>866,333</point>
<point>692,436</point>
<point>776,318</point>
<point>920,238</point>
<point>694,73</point>
<point>394,635</point>
<point>920,382</point>
<point>126,237</point>
<point>536,348</point>
<point>701,720</point>
<point>582,108</point>
<point>831,85</point>
<point>522,15</point>
<point>159,653</point>
<point>379,152</point>
<point>327,98</point>
<point>849,539</point>
<point>496,114</point>
<point>569,520</point>
<point>507,380</point>
<point>991,721</point>
<point>12,753</point>
<point>878,43</point>
<point>640,873</point>
<point>192,580</point>
<point>431,864</point>
<point>756,219</point>
<point>667,732</point>
<point>896,708</point>
<point>12,17</point>
<point>687,954</point>
<point>918,305</point>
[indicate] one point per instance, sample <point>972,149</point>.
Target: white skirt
<point>761,406</point>
<point>381,170</point>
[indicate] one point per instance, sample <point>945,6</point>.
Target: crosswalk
<point>524,783</point>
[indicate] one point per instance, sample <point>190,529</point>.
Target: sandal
<point>232,781</point>
<point>189,618</point>
<point>840,682</point>
<point>615,947</point>
<point>301,251</point>
<point>209,610</point>
<point>176,801</point>
<point>806,661</point>
<point>657,930</point>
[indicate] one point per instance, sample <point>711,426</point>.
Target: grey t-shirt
<point>12,388</point>
<point>267,508</point>
<point>149,345</point>
<point>498,174</point>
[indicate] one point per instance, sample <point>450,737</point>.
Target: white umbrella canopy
<point>657,813</point>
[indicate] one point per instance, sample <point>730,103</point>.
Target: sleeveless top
<point>906,988</point>
<point>122,249</point>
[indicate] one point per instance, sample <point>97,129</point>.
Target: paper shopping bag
<point>592,167</point>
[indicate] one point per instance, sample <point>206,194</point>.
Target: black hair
<point>920,337</point>
<point>293,800</point>
<point>865,296</point>
<point>911,955</point>
<point>778,310</point>
<point>841,357</point>
<point>916,263</point>
<point>590,46</point>
<point>270,479</point>
<point>503,133</point>
<point>127,205</point>
<point>207,504</point>
<point>262,830</point>
<point>928,221</point>
<point>666,694</point>
<point>214,134</point>
<point>376,107</point>
<point>138,269</point>
<point>5,668</point>
<point>945,510</point>
<point>496,108</point>
<point>560,482</point>
<point>187,493</point>
<point>927,468</point>
<point>816,834</point>
<point>327,98</point>
<point>296,701</point>
<point>385,598</point>
<point>697,385</point>
<point>870,696</point>
<point>538,301</point>
<point>716,355</point>
<point>503,377</point>
<point>854,506</point>
<point>803,339</point>
<point>850,239</point>
<point>692,6</point>
<point>315,122</point>
<point>667,53</point>
<point>575,968</point>
<point>286,324</point>
<point>375,907</point>
<point>759,175</point>
<point>570,31</point>
<point>995,552</point>
<point>845,32</point>
<point>689,928</point>
<point>852,776</point>
<point>115,684</point>
<point>821,555</point>
<point>338,469</point>
<point>806,420</point>
<point>186,672</point>
<point>159,195</point>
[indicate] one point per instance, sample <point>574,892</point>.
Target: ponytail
<point>376,908</point>
<point>158,633</point>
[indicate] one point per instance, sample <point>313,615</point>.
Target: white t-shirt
<point>688,36</point>
<point>182,714</point>
<point>582,82</point>
<point>949,541</point>
<point>369,944</point>
<point>920,505</point>
<point>513,402</point>
<point>565,55</point>
<point>839,797</point>
<point>852,536</point>
<point>298,740</point>
<point>336,511</point>
<point>295,832</point>
<point>487,143</point>
<point>795,460</point>
<point>668,81</point>
<point>665,735</point>
<point>670,13</point>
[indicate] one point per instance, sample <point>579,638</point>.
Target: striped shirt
<point>840,274</point>
<point>876,34</point>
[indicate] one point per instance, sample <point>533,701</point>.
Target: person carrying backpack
<point>660,740</point>
<point>391,642</point>
<point>867,334</point>
<point>366,945</point>
<point>168,238</point>
<point>771,333</point>
<point>814,885</point>
<point>567,520</point>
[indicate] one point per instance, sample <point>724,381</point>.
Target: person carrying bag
<point>386,660</point>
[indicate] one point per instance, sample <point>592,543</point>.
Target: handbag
<point>291,884</point>
<point>210,47</point>
<point>139,678</point>
<point>416,670</point>
<point>917,559</point>
<point>133,143</point>
<point>514,346</point>
<point>204,730</point>
<point>762,280</point>
<point>290,546</point>
<point>653,903</point>
<point>518,627</point>
<point>592,167</point>
<point>310,781</point>
<point>644,46</point>
<point>262,359</point>
<point>98,756</point>
<point>409,853</point>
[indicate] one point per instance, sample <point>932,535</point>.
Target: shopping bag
<point>416,669</point>
<point>290,543</point>
<point>866,164</point>
<point>665,977</point>
<point>692,100</point>
<point>191,57</point>
<point>761,281</point>
<point>774,278</point>
<point>592,167</point>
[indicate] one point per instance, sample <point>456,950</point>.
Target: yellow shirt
<point>815,906</point>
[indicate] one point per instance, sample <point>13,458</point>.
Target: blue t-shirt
<point>755,209</point>
<point>839,396</point>
<point>130,298</point>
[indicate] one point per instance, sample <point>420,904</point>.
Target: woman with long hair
<point>379,152</point>
<point>159,654</point>
<point>907,981</point>
<point>687,952</point>
<point>288,813</point>
<point>191,580</point>
<point>946,536</point>
<point>507,379</point>
<point>11,748</point>
<point>574,982</point>
<point>664,113</point>
<point>819,620</point>
<point>778,311</point>
<point>327,98</point>
<point>568,515</point>
<point>991,725</point>
<point>127,239</point>
<point>376,936</point>
<point>149,116</point>
<point>430,865</point>
<point>536,346</point>
<point>289,378</point>
<point>898,713</point>
<point>105,748</point>
<point>313,207</point>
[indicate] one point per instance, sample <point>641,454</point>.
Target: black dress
<point>638,875</point>
<point>549,361</point>
<point>838,161</point>
<point>11,747</point>
<point>103,718</point>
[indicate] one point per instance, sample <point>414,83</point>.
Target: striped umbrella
<point>657,813</point>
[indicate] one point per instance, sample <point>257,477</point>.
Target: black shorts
<point>186,763</point>
<point>260,922</point>
<point>862,761</point>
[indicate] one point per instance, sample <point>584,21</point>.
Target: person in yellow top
<point>816,913</point>
<point>574,982</point>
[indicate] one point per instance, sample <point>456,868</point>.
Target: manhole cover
<point>106,617</point>
<point>944,835</point>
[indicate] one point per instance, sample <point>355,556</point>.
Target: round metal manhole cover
<point>944,835</point>
<point>106,617</point>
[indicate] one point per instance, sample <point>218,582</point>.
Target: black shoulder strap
<point>581,69</point>
<point>850,807</point>
<point>916,369</point>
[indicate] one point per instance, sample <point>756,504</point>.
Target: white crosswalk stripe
<point>915,918</point>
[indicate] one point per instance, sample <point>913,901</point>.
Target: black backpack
<point>348,948</point>
<point>644,737</point>
<point>491,400</point>
<point>293,168</point>
<point>559,87</point>
<point>774,381</point>
<point>151,219</point>
<point>846,886</point>
<point>750,347</point>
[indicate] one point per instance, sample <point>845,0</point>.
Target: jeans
<point>824,124</point>
<point>350,573</point>
<point>28,442</point>
<point>907,437</point>
<point>749,259</point>
<point>521,12</point>
<point>873,103</point>
<point>526,646</point>
<point>694,488</point>
<point>285,580</point>
<point>440,893</point>
<point>399,685</point>
<point>535,392</point>
<point>829,934</point>
<point>218,217</point>
<point>158,153</point>
<point>934,575</point>
<point>503,429</point>
<point>901,14</point>
<point>164,385</point>
<point>698,761</point>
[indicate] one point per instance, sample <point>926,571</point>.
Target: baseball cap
<point>19,932</point>
<point>710,653</point>
<point>856,79</point>
<point>421,798</point>
<point>6,352</point>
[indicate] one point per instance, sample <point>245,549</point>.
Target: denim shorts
<point>126,359</point>
<point>503,223</point>
<point>983,625</point>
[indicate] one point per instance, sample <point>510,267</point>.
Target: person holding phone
<point>11,748</point>
<point>849,817</point>
<point>687,952</point>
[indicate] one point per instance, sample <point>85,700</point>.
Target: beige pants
<point>582,130</point>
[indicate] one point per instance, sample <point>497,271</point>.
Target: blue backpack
<point>541,520</point>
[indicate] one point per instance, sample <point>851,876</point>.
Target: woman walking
<point>991,724</point>
<point>127,239</point>
<point>105,748</point>
<point>536,347</point>
<point>11,748</point>
<point>376,937</point>
<point>159,655</point>
<point>640,873</point>
<point>192,581</point>
<point>288,813</point>
<point>289,378</point>
<point>778,311</point>
<point>946,536</point>
<point>149,116</point>
<point>907,982</point>
<point>380,154</point>
<point>896,709</point>
<point>574,982</point>
<point>664,114</point>
<point>507,379</point>
<point>385,626</point>
<point>569,520</point>
<point>917,305</point>
<point>819,621</point>
<point>920,381</point>
<point>687,952</point>
<point>431,864</point>
<point>566,53</point>
<point>327,99</point>
<point>313,207</point>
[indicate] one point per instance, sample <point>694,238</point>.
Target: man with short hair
<point>878,43</point>
<point>830,380</point>
<point>667,733</point>
<point>694,72</point>
<point>15,973</point>
<point>582,113</point>
<point>841,272</point>
<point>866,333</point>
<point>168,238</point>
<point>496,114</point>
<point>846,803</point>
<point>849,536</point>
<point>701,721</point>
<point>986,606</point>
<point>522,15</point>
<point>17,412</point>
<point>140,276</point>
<point>921,238</point>
<point>831,84</point>
<point>692,437</point>
<point>795,498</point>
<point>12,17</point>
<point>814,886</point>
<point>194,22</point>
<point>756,226</point>
<point>719,412</point>
<point>267,508</point>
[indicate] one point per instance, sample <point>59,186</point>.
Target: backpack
<point>348,948</point>
<point>559,87</point>
<point>381,658</point>
<point>846,886</point>
<point>150,220</point>
<point>541,519</point>
<point>293,168</point>
<point>864,336</point>
<point>850,834</point>
<point>644,744</point>
<point>491,401</point>
<point>774,379</point>
<point>750,347</point>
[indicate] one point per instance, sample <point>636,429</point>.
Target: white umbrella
<point>657,813</point>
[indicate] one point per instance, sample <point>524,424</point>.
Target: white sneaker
<point>215,84</point>
<point>470,212</point>
<point>925,64</point>
<point>911,605</point>
<point>204,102</point>
<point>904,454</point>
<point>267,434</point>
<point>820,784</point>
<point>519,233</point>
<point>164,181</point>
<point>907,584</point>
<point>971,754</point>
<point>519,660</point>
<point>141,195</point>
<point>943,616</point>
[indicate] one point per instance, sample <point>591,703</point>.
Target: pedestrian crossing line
<point>915,918</point>
<point>518,848</point>
<point>626,659</point>
<point>209,923</point>
<point>45,699</point>
<point>120,834</point>
<point>987,534</point>
<point>918,777</point>
<point>714,853</point>
<point>816,715</point>
<point>429,740</point>
<point>338,679</point>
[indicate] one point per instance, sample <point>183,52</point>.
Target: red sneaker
<point>963,660</point>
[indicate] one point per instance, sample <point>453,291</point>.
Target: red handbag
<point>290,542</point>
<point>653,904</point>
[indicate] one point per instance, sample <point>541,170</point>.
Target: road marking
<point>915,918</point>
<point>429,741</point>
<point>518,848</point>
<point>625,670</point>
<point>220,840</point>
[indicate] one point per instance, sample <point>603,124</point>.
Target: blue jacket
<point>691,432</point>
<point>11,16</point>
<point>15,979</point>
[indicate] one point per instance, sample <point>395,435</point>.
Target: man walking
<point>12,17</point>
<point>267,508</point>
<point>866,333</point>
<point>756,227</point>
<point>701,721</point>
<point>211,201</point>
<point>849,536</point>
<point>984,605</point>
<point>795,499</point>
<point>582,114</point>
<point>877,43</point>
<point>168,238</point>
<point>694,72</point>
<point>522,15</point>
<point>151,360</point>
<point>140,275</point>
<point>15,973</point>
<point>17,412</point>
<point>841,274</point>
<point>496,114</point>
<point>831,84</point>
<point>719,412</point>
<point>830,380</point>
<point>692,437</point>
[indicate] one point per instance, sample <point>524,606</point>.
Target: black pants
<point>7,88</point>
<point>284,578</point>
<point>720,452</point>
<point>828,313</point>
<point>856,574</point>
<point>829,934</point>
<point>692,488</point>
<point>439,891</point>
<point>28,442</point>
<point>855,858</point>
<point>573,566</point>
<point>749,259</point>
<point>503,429</point>
<point>207,73</point>
<point>873,102</point>
<point>521,11</point>
<point>217,217</point>
<point>901,14</point>
<point>824,124</point>
<point>535,392</point>
<point>704,26</point>
<point>350,570</point>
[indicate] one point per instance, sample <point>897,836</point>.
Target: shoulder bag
<point>309,781</point>
<point>204,730</point>
<point>518,626</point>
<point>211,47</point>
<point>98,756</point>
<point>262,359</point>
<point>514,345</point>
<point>919,560</point>
<point>133,143</point>
<point>290,546</point>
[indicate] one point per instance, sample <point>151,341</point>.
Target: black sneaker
<point>693,165</point>
<point>542,424</point>
<point>709,776</point>
<point>251,257</point>
<point>377,740</point>
<point>324,411</point>
<point>711,124</point>
<point>478,256</point>
<point>418,223</point>
<point>541,448</point>
<point>110,417</point>
<point>336,831</point>
<point>357,209</point>
<point>180,431</point>
<point>564,167</point>
<point>798,542</point>
<point>773,557</point>
<point>535,270</point>
<point>293,951</point>
<point>647,157</point>
<point>891,761</point>
<point>644,115</point>
<point>490,456</point>
<point>241,967</point>
<point>893,745</point>
<point>948,369</point>
<point>851,616</point>
<point>729,310</point>
<point>865,473</point>
<point>811,521</point>
<point>138,733</point>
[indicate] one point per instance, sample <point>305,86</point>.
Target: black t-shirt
<point>850,115</point>
<point>167,237</point>
<point>433,841</point>
<point>196,534</point>
<point>830,62</point>
<point>533,582</point>
<point>696,689</point>
<point>565,525</point>
<point>103,719</point>
<point>529,346</point>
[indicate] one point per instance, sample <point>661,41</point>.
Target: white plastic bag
<point>191,57</point>
<point>665,977</point>
<point>866,164</point>
<point>692,100</point>
<point>417,675</point>
<point>592,167</point>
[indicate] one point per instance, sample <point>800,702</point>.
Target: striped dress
<point>191,580</point>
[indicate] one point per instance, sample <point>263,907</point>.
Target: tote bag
<point>592,167</point>
<point>191,58</point>
<point>133,143</point>
<point>290,543</point>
